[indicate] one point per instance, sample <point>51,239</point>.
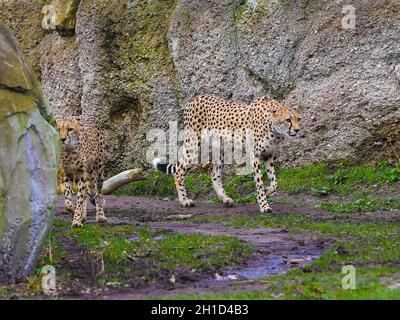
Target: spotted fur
<point>82,159</point>
<point>268,121</point>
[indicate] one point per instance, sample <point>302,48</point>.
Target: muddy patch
<point>275,250</point>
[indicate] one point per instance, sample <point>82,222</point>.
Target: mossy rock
<point>28,164</point>
<point>65,20</point>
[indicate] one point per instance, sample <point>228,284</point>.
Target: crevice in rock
<point>267,87</point>
<point>18,89</point>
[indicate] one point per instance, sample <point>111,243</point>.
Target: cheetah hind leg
<point>99,199</point>
<point>68,195</point>
<point>80,205</point>
<point>84,212</point>
<point>180,176</point>
<point>95,196</point>
<point>100,216</point>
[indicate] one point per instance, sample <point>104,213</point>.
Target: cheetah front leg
<point>262,196</point>
<point>100,216</point>
<point>68,180</point>
<point>219,186</point>
<point>84,214</point>
<point>79,213</point>
<point>269,168</point>
<point>95,184</point>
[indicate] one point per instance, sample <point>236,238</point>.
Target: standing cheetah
<point>82,158</point>
<point>266,120</point>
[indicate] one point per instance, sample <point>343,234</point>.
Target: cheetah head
<point>68,130</point>
<point>285,121</point>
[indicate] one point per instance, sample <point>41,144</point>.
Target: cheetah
<point>82,159</point>
<point>266,120</point>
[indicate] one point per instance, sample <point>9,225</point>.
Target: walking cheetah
<point>266,120</point>
<point>82,154</point>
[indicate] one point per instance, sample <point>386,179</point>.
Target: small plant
<point>339,176</point>
<point>322,190</point>
<point>394,175</point>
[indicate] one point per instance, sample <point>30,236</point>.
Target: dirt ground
<point>275,250</point>
<point>127,209</point>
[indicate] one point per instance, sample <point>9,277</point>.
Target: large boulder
<point>28,164</point>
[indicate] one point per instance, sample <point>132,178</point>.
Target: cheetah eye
<point>70,129</point>
<point>288,120</point>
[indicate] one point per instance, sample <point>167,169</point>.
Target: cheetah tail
<point>164,167</point>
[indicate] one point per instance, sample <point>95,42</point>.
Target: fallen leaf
<point>294,261</point>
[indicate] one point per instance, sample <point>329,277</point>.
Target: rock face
<point>137,63</point>
<point>28,164</point>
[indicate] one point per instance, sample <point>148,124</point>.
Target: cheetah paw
<point>265,210</point>
<point>77,224</point>
<point>228,202</point>
<point>187,203</point>
<point>101,219</point>
<point>70,209</point>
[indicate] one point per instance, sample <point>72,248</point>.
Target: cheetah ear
<point>273,110</point>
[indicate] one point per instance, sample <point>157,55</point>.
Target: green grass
<point>134,253</point>
<point>373,248</point>
<point>52,251</point>
<point>157,185</point>
<point>300,285</point>
<point>366,204</point>
<point>44,2</point>
<point>318,179</point>
<point>172,251</point>
<point>169,250</point>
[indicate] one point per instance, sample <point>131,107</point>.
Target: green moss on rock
<point>66,16</point>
